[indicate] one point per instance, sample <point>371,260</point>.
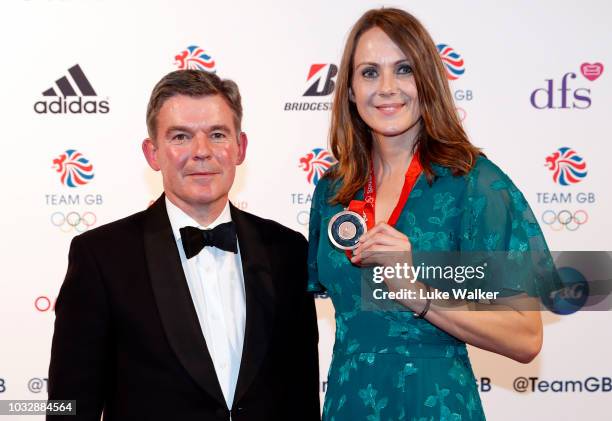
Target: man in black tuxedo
<point>191,309</point>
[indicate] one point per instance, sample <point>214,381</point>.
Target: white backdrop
<point>509,50</point>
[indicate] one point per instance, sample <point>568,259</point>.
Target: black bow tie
<point>223,236</point>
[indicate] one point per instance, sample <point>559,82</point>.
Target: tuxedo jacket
<point>128,342</point>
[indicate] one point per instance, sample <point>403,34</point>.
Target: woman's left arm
<point>501,328</point>
<point>504,327</point>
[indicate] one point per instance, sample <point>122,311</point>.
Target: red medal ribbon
<point>366,206</point>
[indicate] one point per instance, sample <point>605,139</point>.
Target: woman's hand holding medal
<point>385,246</point>
<point>381,246</point>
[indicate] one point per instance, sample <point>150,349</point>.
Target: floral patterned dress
<point>389,365</point>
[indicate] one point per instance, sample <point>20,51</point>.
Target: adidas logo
<point>74,85</point>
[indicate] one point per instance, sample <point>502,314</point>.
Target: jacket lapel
<point>260,298</point>
<point>174,301</point>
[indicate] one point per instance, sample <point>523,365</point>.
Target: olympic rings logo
<point>565,219</point>
<point>44,303</point>
<point>303,217</point>
<point>73,221</point>
<point>461,113</point>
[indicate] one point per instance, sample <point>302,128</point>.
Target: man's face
<point>197,150</point>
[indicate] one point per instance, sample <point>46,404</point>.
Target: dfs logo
<point>567,97</point>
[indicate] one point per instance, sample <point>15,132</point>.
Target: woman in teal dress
<point>393,107</point>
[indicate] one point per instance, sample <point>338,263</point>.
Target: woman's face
<point>383,86</point>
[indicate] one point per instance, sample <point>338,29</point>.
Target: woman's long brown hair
<point>441,140</point>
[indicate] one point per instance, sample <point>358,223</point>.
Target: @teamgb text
<point>73,221</point>
<point>565,219</point>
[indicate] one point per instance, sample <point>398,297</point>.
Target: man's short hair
<point>193,83</point>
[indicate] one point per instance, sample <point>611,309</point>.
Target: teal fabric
<point>389,365</point>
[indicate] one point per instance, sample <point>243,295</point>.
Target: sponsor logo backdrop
<point>532,85</point>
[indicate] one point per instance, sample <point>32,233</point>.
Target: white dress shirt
<point>216,284</point>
